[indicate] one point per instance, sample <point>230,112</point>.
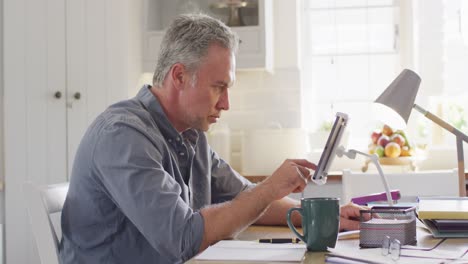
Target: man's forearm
<point>227,219</point>
<point>276,213</point>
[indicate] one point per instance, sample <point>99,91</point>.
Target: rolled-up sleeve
<point>129,165</point>
<point>226,183</point>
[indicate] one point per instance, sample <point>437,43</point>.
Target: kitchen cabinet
<point>65,62</point>
<point>253,24</point>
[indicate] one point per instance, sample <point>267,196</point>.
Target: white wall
<point>2,177</point>
<point>260,98</point>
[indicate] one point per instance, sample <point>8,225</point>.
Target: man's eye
<point>219,88</point>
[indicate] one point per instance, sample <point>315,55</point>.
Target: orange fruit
<point>392,150</point>
<point>406,151</point>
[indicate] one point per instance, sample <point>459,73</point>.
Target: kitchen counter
<point>333,177</point>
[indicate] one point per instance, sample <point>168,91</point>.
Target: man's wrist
<point>266,192</point>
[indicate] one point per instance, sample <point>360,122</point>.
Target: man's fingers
<point>303,178</point>
<point>301,174</point>
<point>348,224</point>
<point>305,163</point>
<point>299,189</point>
<point>351,210</point>
<point>305,171</point>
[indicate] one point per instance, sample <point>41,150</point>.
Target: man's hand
<point>349,216</point>
<point>226,219</point>
<point>291,176</point>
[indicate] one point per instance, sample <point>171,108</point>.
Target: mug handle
<point>291,226</point>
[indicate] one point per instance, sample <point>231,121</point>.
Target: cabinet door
<point>72,47</point>
<point>87,67</point>
<point>35,135</point>
<point>100,60</point>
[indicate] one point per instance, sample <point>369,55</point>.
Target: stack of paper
<point>236,250</point>
<point>408,255</point>
<point>446,216</point>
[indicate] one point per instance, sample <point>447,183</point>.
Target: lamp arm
<point>460,136</point>
<point>375,159</point>
<point>441,123</point>
<point>461,168</point>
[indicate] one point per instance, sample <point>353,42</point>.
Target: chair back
<point>43,202</point>
<point>410,184</point>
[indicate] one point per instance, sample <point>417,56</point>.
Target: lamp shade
<point>394,105</point>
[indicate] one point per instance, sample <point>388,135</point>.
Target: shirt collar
<point>156,111</point>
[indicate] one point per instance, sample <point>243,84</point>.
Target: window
<point>455,93</point>
<point>350,55</point>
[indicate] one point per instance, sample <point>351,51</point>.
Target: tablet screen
<point>333,141</point>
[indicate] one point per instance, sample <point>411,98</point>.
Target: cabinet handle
<point>58,94</point>
<point>77,95</point>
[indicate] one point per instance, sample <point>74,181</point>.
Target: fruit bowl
<point>396,161</point>
<point>392,147</point>
<point>400,161</point>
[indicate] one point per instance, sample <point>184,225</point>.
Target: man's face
<point>204,99</point>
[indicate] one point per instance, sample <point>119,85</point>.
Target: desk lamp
<point>395,105</point>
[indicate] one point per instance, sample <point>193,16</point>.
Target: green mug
<point>320,222</point>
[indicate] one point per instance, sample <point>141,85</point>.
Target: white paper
<point>236,250</point>
<point>353,234</point>
<point>407,256</point>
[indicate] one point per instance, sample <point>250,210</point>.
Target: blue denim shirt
<point>137,186</point>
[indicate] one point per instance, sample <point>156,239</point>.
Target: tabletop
<point>425,240</point>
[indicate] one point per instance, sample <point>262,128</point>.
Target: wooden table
<point>425,239</point>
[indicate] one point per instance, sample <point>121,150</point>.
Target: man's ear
<point>179,75</point>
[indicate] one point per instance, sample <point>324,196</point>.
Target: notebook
<point>454,208</point>
<point>236,250</point>
<point>444,232</point>
<point>451,226</point>
<point>445,216</point>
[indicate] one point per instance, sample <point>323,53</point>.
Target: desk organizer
<point>395,222</point>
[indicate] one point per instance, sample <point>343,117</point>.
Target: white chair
<point>410,184</point>
<point>42,202</point>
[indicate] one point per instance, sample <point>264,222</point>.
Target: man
<point>145,185</point>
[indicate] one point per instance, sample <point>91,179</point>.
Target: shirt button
<point>181,153</point>
<point>170,140</point>
<point>178,139</point>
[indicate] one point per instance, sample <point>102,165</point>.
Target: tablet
<point>328,154</point>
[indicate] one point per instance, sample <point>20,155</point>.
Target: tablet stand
<point>374,159</point>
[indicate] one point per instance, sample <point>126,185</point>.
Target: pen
<point>279,240</point>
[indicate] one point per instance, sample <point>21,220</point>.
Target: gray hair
<point>187,41</point>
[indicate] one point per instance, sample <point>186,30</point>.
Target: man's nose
<point>223,102</point>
